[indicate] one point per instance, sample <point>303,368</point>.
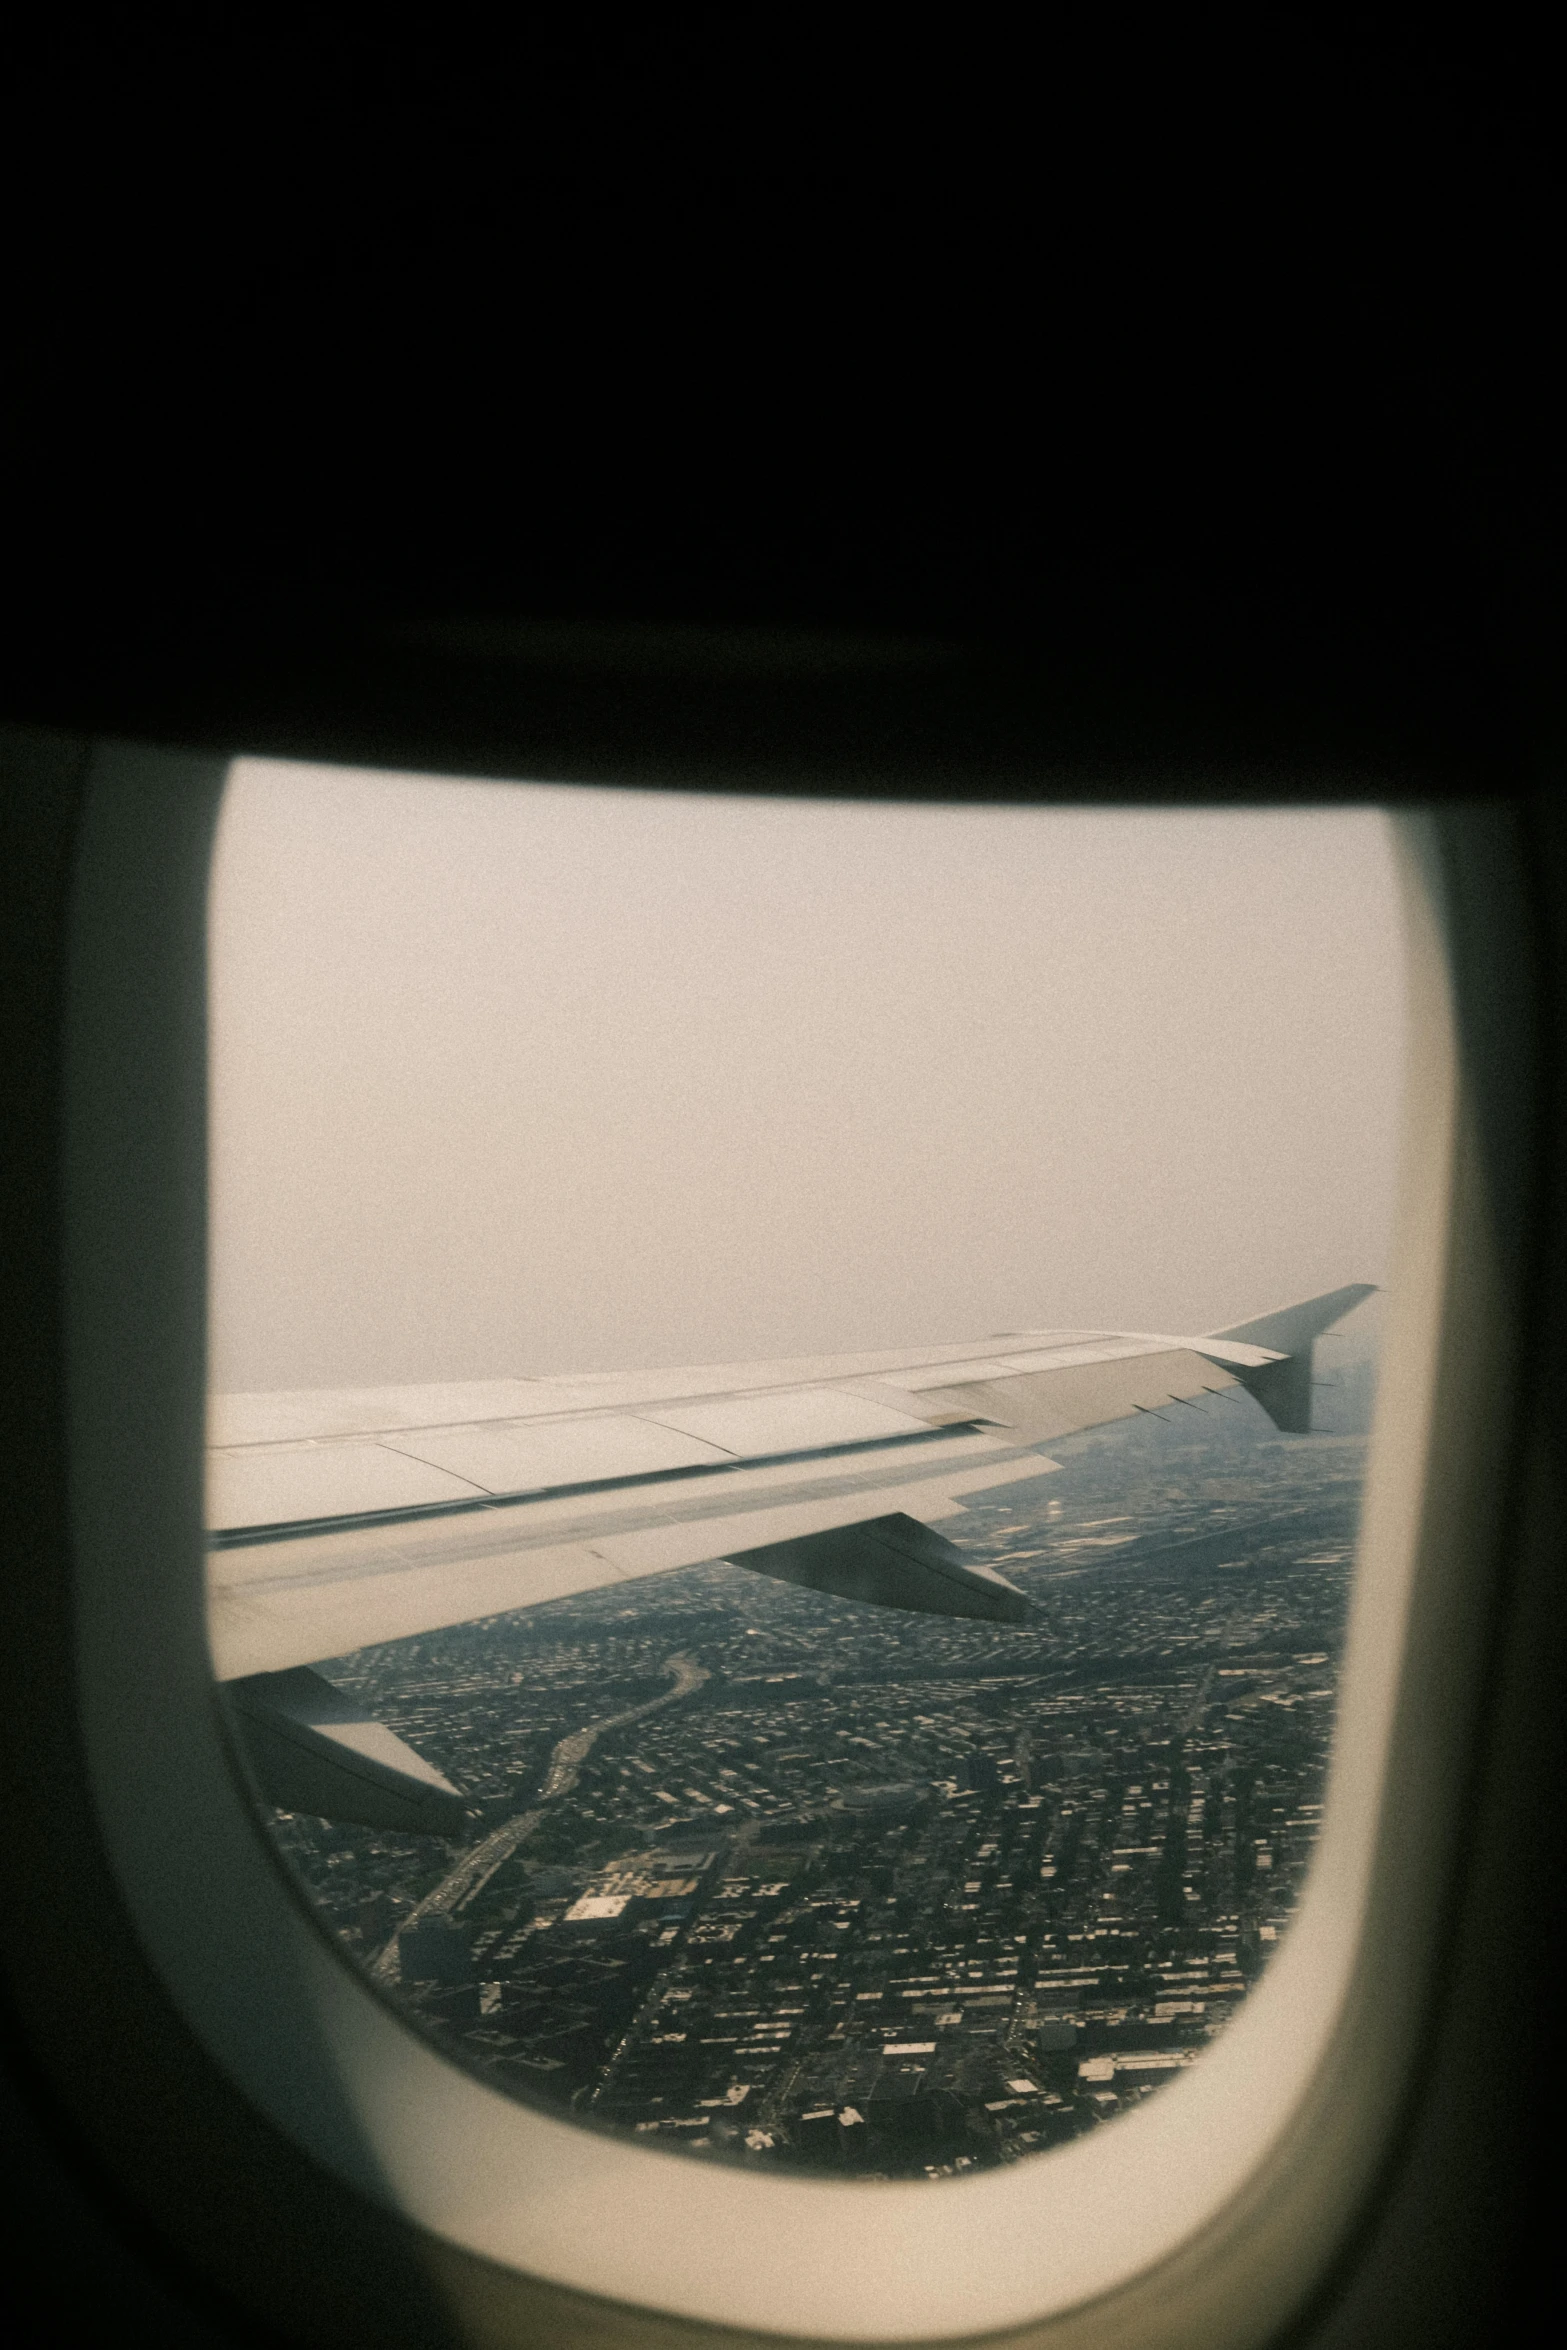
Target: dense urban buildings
<point>793,1881</point>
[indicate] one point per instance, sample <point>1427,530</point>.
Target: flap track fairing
<point>891,1562</point>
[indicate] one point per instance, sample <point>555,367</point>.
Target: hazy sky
<point>510,1079</point>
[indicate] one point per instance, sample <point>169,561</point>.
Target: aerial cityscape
<point>793,1881</point>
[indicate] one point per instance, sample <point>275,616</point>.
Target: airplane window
<point>790,1387</point>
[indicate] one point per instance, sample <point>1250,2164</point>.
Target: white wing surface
<point>342,1518</point>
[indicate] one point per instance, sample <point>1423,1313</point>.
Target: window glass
<point>937,1122</point>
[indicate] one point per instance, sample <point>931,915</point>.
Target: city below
<point>792,1881</point>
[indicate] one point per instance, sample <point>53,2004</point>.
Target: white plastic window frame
<point>1208,2215</point>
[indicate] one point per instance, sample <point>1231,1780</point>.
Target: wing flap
<point>274,1483</point>
<point>544,1453</point>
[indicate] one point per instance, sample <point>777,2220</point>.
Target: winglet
<point>1283,1387</point>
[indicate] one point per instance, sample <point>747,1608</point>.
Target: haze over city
<point>515,1079</point>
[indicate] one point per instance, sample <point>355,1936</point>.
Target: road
<point>474,1869</point>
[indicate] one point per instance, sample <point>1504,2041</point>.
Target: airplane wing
<point>340,1519</point>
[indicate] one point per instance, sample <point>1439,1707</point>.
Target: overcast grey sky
<point>510,1079</point>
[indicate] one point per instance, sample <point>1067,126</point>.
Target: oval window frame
<point>314,2051</point>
